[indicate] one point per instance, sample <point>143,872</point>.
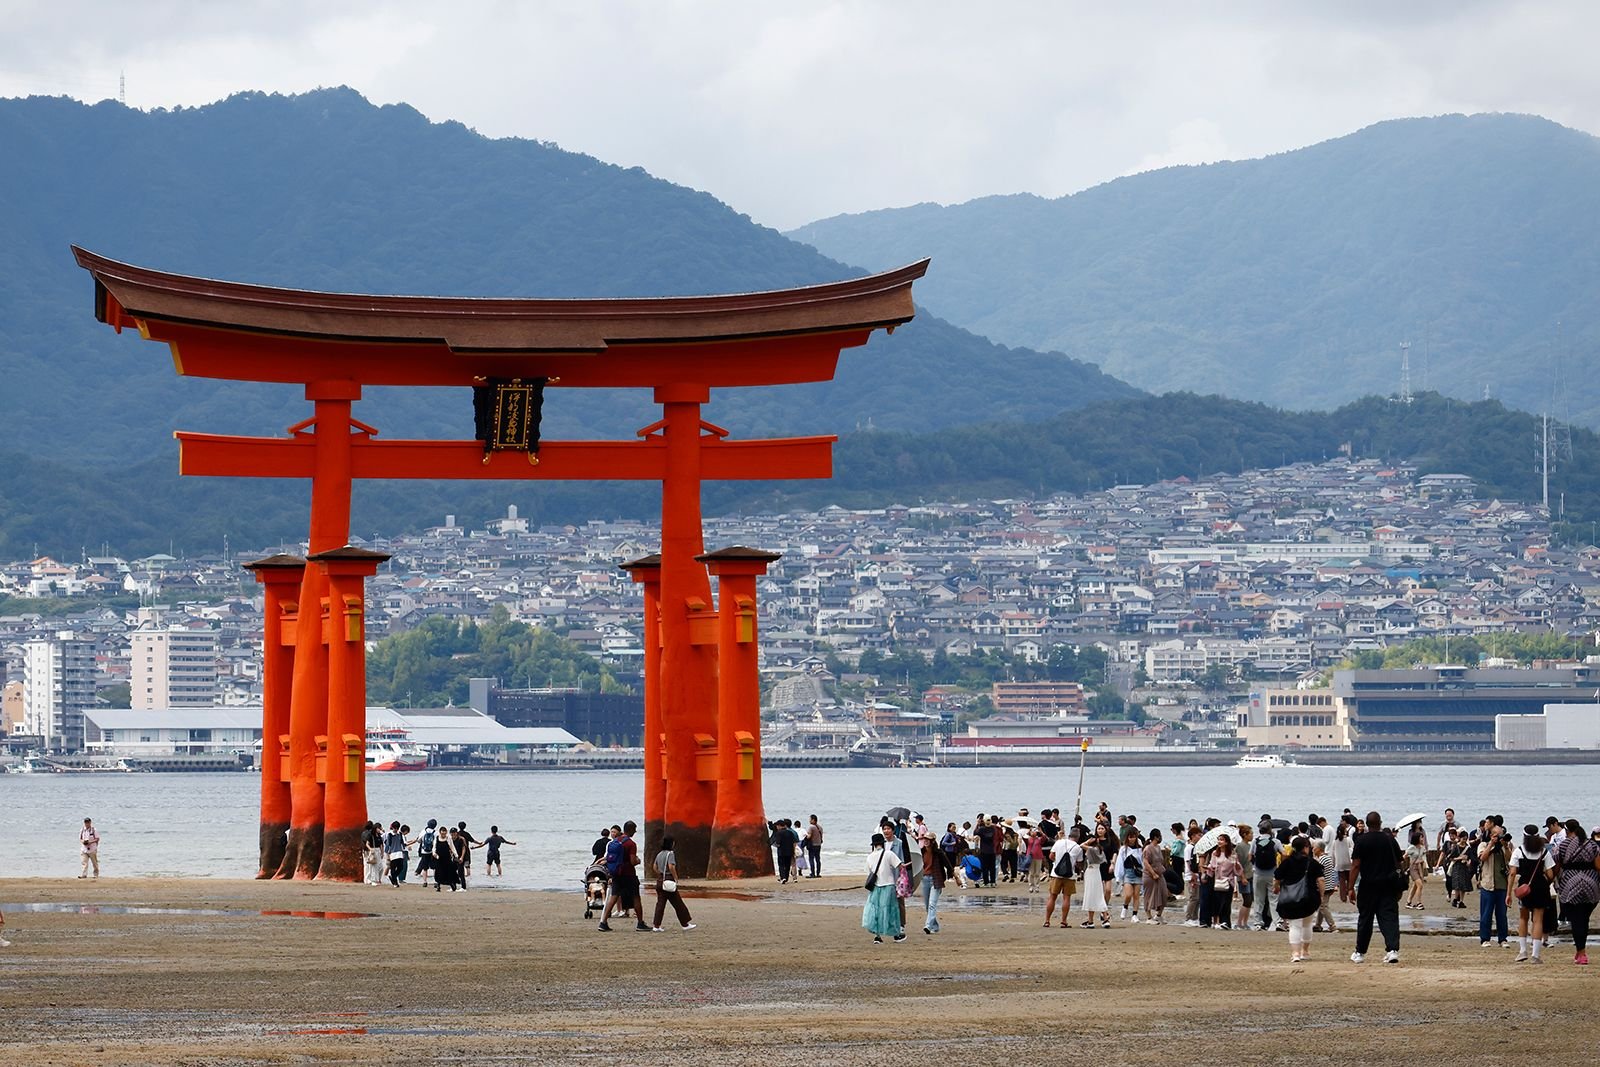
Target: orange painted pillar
<point>280,577</point>
<point>646,571</point>
<point>688,638</point>
<point>739,843</point>
<point>308,701</point>
<point>345,766</point>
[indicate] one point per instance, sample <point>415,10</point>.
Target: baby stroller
<point>595,884</point>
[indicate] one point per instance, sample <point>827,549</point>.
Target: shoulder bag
<point>1525,888</point>
<point>872,878</point>
<point>1298,899</point>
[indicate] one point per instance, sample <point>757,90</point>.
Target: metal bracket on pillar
<point>705,758</point>
<point>702,622</point>
<point>284,774</point>
<point>322,758</point>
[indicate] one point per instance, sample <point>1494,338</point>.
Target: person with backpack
<point>424,842</point>
<point>1066,860</point>
<point>1264,865</point>
<point>622,861</point>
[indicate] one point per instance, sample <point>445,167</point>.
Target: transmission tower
<point>1405,372</point>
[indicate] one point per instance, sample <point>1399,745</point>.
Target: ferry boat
<point>1265,759</point>
<point>390,748</point>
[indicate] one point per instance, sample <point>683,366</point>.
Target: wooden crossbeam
<point>218,455</point>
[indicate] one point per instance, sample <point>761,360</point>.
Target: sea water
<point>205,825</point>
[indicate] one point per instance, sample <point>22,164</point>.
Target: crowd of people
<point>443,852</point>
<point>1273,875</point>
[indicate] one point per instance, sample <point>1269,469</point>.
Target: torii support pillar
<point>688,637</point>
<point>280,577</point>
<point>343,752</point>
<point>308,701</point>
<point>739,843</point>
<point>646,571</point>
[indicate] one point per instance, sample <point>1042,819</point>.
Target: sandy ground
<point>491,976</point>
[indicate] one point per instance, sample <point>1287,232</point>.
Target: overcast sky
<point>795,111</point>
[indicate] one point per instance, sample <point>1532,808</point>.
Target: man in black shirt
<point>784,840</point>
<point>1375,861</point>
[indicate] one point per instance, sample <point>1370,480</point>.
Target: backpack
<point>426,846</point>
<point>1265,853</point>
<point>1064,866</point>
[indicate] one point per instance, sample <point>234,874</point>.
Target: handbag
<point>902,882</point>
<point>397,855</point>
<point>669,885</point>
<point>1298,899</point>
<point>872,876</point>
<point>1174,881</point>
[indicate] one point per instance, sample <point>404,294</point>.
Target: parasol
<point>1410,820</point>
<point>1208,840</point>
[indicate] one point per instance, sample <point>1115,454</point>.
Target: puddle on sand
<point>129,909</point>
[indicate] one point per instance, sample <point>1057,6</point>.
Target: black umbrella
<point>899,814</point>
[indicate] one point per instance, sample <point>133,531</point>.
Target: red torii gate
<point>702,727</point>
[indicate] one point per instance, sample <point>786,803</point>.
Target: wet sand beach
<point>194,972</point>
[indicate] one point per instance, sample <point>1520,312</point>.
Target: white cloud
<point>792,112</point>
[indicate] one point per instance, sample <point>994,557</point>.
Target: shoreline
<point>223,971</point>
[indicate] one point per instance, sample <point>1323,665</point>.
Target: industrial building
<point>1449,708</point>
<point>1558,726</point>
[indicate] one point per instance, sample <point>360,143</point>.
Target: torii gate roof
<point>222,329</point>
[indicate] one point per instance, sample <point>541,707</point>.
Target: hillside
<point>1293,279</point>
<point>327,191</point>
<point>1140,440</point>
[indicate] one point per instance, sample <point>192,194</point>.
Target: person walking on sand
<point>1225,871</point>
<point>89,847</point>
<point>1066,859</point>
<point>491,859</point>
<point>622,861</point>
<point>881,913</point>
<point>1095,864</point>
<point>1156,892</point>
<point>666,867</point>
<point>1292,869</point>
<point>1494,884</point>
<point>935,870</point>
<point>1376,868</point>
<point>394,852</point>
<point>424,842</point>
<point>1578,879</point>
<point>814,847</point>
<point>1532,867</point>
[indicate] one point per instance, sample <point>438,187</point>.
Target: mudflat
<point>128,971</point>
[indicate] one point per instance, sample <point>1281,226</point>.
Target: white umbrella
<point>1410,820</point>
<point>1208,840</point>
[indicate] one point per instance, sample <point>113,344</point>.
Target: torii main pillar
<point>335,344</point>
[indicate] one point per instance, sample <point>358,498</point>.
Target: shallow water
<point>205,825</point>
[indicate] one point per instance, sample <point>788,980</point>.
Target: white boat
<point>1265,759</point>
<point>390,748</point>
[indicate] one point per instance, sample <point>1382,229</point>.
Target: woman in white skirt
<point>1094,886</point>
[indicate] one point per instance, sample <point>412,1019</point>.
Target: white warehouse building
<point>1560,726</point>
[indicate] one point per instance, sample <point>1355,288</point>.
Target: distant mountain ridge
<point>327,191</point>
<point>1293,279</point>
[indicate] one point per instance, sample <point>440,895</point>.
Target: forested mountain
<point>1293,279</point>
<point>326,191</point>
